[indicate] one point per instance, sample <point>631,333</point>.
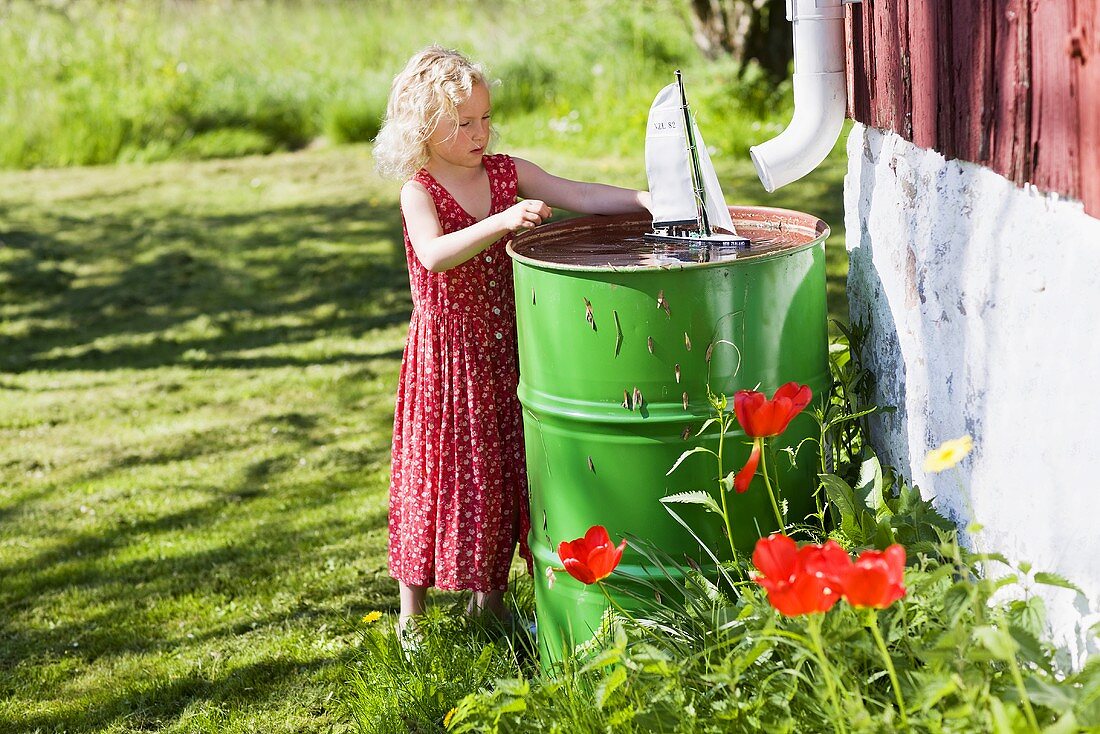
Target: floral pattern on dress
<point>458,484</point>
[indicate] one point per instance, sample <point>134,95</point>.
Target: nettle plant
<point>879,621</point>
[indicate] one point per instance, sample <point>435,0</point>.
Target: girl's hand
<point>527,214</point>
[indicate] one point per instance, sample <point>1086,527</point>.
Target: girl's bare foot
<point>481,602</point>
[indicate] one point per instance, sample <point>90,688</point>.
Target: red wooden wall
<point>1011,84</point>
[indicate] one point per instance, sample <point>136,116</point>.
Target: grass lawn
<point>197,365</point>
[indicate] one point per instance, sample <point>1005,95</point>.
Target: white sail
<point>717,212</point>
<point>667,164</point>
<point>668,167</point>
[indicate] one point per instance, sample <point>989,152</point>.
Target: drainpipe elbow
<point>820,95</point>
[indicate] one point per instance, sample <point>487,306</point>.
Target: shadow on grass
<point>133,289</point>
<point>240,550</point>
<point>85,562</point>
<point>122,291</point>
<point>163,701</point>
<point>241,568</point>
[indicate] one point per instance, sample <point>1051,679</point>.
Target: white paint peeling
<point>984,303</point>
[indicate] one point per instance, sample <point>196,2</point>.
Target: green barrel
<point>601,322</point>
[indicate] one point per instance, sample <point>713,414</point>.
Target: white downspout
<point>820,95</point>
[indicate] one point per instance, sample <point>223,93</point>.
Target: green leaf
<point>605,658</point>
<point>706,424</point>
<point>883,535</point>
<point>870,488</point>
<point>842,498</point>
<point>1029,613</point>
<point>1031,650</point>
<point>1003,717</point>
<point>935,688</point>
<point>620,717</point>
<point>513,687</point>
<point>652,659</point>
<point>1057,698</point>
<point>990,586</point>
<point>1068,724</point>
<point>607,686</point>
<point>1088,713</point>
<point>511,706</point>
<point>618,630</point>
<point>689,452</point>
<point>708,588</point>
<point>1053,579</point>
<point>696,497</point>
<point>983,557</point>
<point>849,417</point>
<point>745,660</point>
<point>997,641</point>
<point>908,498</point>
<point>915,520</point>
<point>485,659</point>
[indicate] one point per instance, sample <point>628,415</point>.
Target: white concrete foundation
<point>984,304</point>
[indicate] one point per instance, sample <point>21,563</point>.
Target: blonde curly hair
<point>432,85</point>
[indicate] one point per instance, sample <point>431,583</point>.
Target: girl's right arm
<point>439,252</point>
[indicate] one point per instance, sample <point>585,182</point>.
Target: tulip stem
<point>1018,679</point>
<point>813,622</point>
<point>614,604</point>
<point>871,620</point>
<point>723,424</point>
<point>768,485</point>
<point>1022,690</point>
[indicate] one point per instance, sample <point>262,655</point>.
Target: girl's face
<point>463,143</point>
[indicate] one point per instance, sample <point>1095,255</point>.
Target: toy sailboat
<point>687,203</point>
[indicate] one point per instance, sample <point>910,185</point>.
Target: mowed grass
<point>194,434</point>
<point>197,367</point>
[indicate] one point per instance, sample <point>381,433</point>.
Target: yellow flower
<point>947,454</point>
<point>372,617</point>
<point>447,718</point>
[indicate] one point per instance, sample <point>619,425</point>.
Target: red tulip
<point>762,418</point>
<point>875,579</point>
<point>776,558</point>
<point>827,561</point>
<point>748,471</point>
<point>591,558</point>
<point>800,581</point>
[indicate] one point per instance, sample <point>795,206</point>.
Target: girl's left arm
<point>577,196</point>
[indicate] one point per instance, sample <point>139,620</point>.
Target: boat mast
<point>693,154</point>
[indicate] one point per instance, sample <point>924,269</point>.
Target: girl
<point>458,489</point>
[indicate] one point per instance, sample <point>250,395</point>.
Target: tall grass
<point>91,82</point>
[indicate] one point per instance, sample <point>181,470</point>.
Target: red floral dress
<point>458,487</point>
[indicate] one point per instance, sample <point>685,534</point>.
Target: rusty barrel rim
<point>811,229</point>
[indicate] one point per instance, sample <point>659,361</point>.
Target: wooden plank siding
<point>1011,84</point>
<point>1085,51</point>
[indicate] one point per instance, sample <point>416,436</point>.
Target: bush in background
<point>90,82</point>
